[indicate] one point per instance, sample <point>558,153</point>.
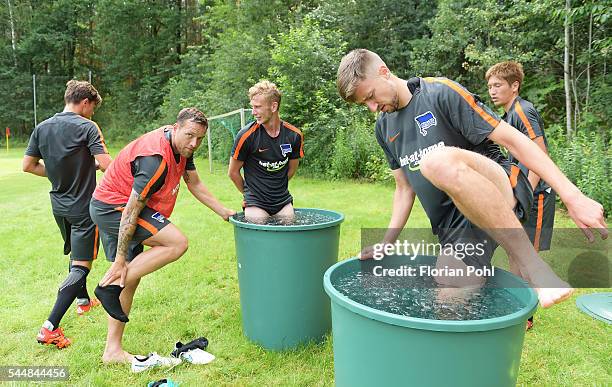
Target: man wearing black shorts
<point>504,81</point>
<point>269,151</point>
<point>438,138</point>
<point>131,206</point>
<point>71,145</point>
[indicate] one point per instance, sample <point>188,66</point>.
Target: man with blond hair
<point>441,141</point>
<point>269,151</point>
<point>72,147</point>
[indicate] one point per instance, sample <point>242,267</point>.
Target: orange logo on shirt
<point>393,138</point>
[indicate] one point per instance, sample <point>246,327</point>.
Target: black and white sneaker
<point>200,342</point>
<point>193,352</point>
<point>153,360</point>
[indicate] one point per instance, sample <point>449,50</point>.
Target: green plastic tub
<point>280,268</point>
<point>376,348</point>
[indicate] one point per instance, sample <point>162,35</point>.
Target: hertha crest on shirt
<point>285,148</point>
<point>425,121</point>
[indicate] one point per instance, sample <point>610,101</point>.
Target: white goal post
<point>242,112</point>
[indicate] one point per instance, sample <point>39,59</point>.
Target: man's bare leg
<point>286,214</point>
<point>481,190</point>
<point>256,215</point>
<point>516,269</point>
<point>455,289</point>
<point>168,245</point>
<point>113,351</point>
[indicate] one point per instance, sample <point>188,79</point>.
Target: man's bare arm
<point>233,172</point>
<point>127,227</point>
<point>200,192</point>
<point>403,200</point>
<point>103,160</point>
<point>129,221</point>
<point>585,212</point>
<point>34,165</point>
<point>293,166</point>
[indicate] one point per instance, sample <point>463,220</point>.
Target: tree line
<point>149,58</point>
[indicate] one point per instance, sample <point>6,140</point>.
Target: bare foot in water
<point>117,357</point>
<point>551,296</point>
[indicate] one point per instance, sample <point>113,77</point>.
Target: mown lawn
<point>198,295</point>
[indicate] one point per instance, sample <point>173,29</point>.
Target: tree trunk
<point>13,39</point>
<point>179,25</point>
<point>574,78</point>
<point>588,70</point>
<point>566,72</point>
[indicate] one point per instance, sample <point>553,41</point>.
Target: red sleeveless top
<point>116,186</point>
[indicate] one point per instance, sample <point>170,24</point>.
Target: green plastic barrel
<point>376,348</point>
<point>280,268</point>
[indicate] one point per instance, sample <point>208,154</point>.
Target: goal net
<point>222,130</point>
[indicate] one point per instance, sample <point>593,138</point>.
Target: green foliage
<point>304,64</point>
<point>586,160</point>
<point>151,59</point>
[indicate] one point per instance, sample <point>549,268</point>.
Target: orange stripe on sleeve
<point>101,137</point>
<point>538,231</point>
<point>514,171</point>
<point>296,130</point>
<point>243,139</point>
<point>523,117</point>
<point>154,179</point>
<point>469,98</point>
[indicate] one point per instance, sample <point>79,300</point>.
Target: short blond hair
<point>267,89</point>
<point>354,68</point>
<point>509,71</point>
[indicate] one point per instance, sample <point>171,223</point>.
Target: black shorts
<point>80,236</point>
<point>539,226</point>
<point>270,209</point>
<point>459,231</point>
<point>108,217</point>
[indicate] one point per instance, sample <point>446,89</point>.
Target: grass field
<point>198,296</point>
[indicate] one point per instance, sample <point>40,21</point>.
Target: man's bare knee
<point>443,167</point>
<point>180,246</point>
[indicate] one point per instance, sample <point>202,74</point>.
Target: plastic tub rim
<point>427,324</point>
<point>338,218</point>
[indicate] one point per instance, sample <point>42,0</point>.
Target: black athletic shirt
<point>67,143</point>
<point>440,113</point>
<point>144,169</point>
<point>524,116</point>
<point>266,162</point>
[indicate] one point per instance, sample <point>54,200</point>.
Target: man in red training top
<point>131,207</point>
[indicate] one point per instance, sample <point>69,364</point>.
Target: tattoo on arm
<point>129,221</point>
<point>186,177</point>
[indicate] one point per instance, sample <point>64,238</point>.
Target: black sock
<point>82,294</point>
<point>67,293</point>
<point>530,319</point>
<point>109,297</point>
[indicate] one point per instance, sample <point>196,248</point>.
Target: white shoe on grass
<point>196,356</point>
<point>152,360</point>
